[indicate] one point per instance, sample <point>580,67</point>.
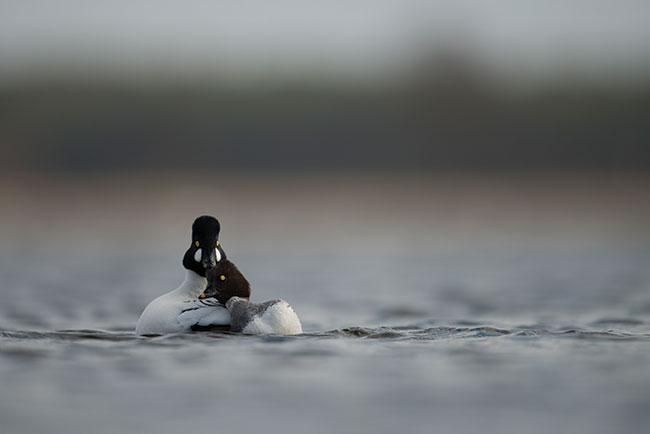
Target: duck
<point>230,288</point>
<point>181,310</point>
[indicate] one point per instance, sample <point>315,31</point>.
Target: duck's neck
<point>192,286</point>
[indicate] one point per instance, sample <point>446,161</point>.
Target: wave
<point>406,333</point>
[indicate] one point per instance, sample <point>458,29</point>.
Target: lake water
<point>499,304</point>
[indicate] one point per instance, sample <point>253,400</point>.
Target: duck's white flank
<point>180,309</point>
<point>274,317</point>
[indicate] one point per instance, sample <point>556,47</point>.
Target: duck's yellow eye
<point>196,244</point>
<point>222,277</point>
<point>217,243</point>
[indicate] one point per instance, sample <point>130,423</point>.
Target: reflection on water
<point>540,325</point>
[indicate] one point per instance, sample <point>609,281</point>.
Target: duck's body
<point>271,317</point>
<point>180,310</point>
<point>229,286</point>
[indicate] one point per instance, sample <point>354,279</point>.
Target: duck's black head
<point>205,251</point>
<point>226,281</point>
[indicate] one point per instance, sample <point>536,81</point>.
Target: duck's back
<point>271,317</point>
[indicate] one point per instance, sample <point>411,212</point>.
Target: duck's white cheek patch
<point>197,255</point>
<point>217,254</point>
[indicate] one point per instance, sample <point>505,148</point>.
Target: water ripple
<point>375,333</point>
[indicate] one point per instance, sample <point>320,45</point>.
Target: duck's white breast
<point>180,310</point>
<point>160,316</point>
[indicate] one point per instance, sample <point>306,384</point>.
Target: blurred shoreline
<point>452,118</point>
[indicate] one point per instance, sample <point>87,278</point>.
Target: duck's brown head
<point>226,281</point>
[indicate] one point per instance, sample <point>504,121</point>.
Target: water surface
<point>436,312</point>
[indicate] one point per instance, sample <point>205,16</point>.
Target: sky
<point>340,39</point>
